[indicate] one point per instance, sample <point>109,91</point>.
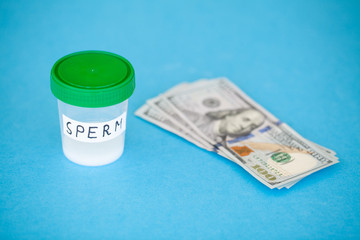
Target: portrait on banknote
<point>219,125</point>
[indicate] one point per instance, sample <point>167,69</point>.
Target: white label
<point>94,131</point>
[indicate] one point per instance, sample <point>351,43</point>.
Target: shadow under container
<point>92,88</point>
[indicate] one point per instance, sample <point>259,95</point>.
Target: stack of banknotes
<point>216,115</point>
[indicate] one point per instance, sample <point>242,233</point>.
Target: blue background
<point>299,59</point>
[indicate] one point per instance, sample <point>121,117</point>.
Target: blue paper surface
<point>299,59</point>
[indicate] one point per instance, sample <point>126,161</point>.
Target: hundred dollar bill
<point>152,115</point>
<point>162,121</point>
<point>231,121</point>
<point>165,114</point>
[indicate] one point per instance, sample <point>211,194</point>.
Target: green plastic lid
<point>92,79</point>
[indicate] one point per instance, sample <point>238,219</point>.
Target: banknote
<point>152,115</point>
<point>164,113</point>
<point>255,139</point>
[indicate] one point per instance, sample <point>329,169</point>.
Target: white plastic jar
<point>92,88</point>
